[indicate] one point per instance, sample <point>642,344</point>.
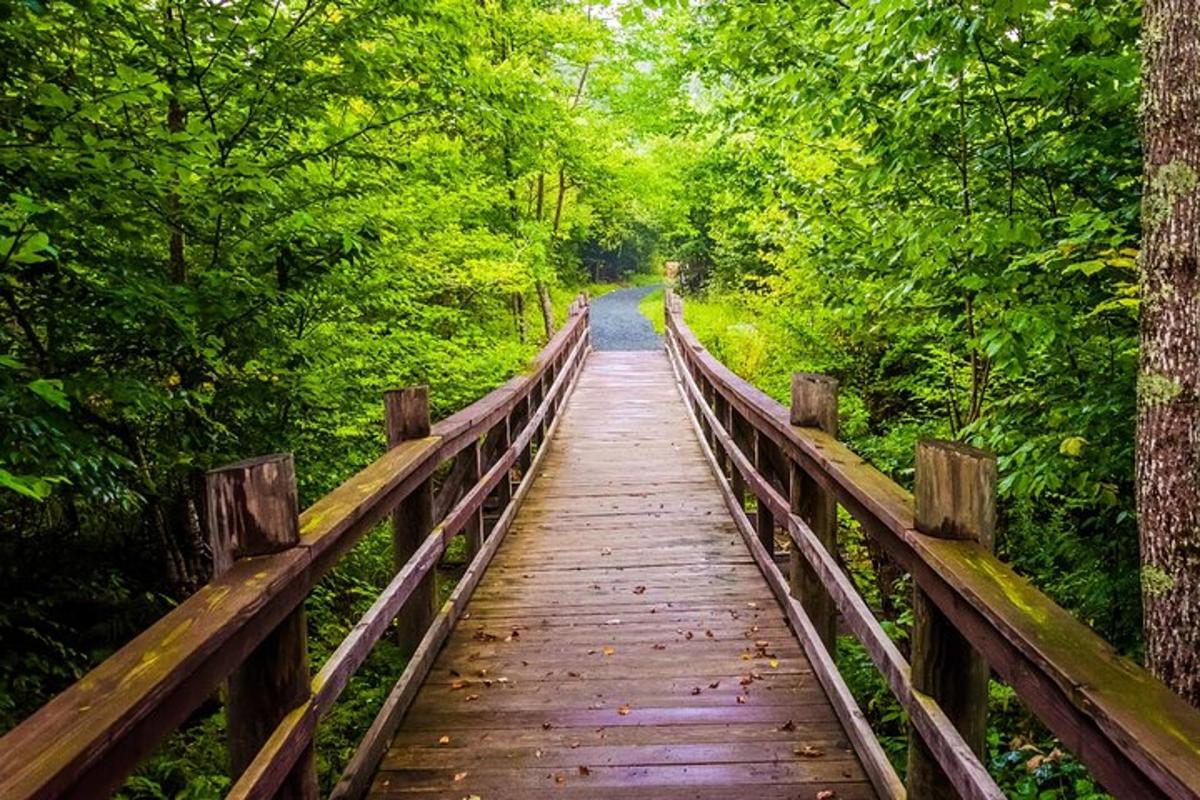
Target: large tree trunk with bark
<point>1168,436</point>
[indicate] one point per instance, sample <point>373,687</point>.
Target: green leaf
<point>51,391</point>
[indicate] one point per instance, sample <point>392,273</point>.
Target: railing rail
<point>1137,737</point>
<point>86,740</point>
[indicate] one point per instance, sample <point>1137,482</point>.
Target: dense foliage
<point>226,228</point>
<point>938,205</point>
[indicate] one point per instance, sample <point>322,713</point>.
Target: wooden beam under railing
<point>1138,738</point>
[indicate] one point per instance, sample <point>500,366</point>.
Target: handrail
<point>84,741</point>
<point>1138,738</point>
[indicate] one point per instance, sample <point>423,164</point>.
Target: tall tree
<point>1168,436</point>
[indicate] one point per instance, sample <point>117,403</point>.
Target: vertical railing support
<point>764,520</point>
<point>814,405</point>
<point>742,435</point>
<point>252,511</point>
<point>497,444</point>
<point>473,532</point>
<point>407,417</point>
<point>955,498</point>
<point>520,418</point>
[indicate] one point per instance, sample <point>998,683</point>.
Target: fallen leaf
<point>688,635</point>
<point>709,634</point>
<point>714,684</point>
<point>444,740</point>
<point>545,726</point>
<point>458,776</point>
<point>741,699</point>
<point>774,662</point>
<point>470,697</point>
<point>826,794</point>
<point>660,647</point>
<point>460,685</point>
<point>608,651</point>
<point>808,751</point>
<point>584,771</point>
<point>560,777</point>
<point>696,690</point>
<point>623,711</point>
<point>788,726</point>
<point>639,590</point>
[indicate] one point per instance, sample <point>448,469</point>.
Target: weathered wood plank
<point>548,643</point>
<point>88,738</point>
<point>251,510</point>
<point>1136,736</point>
<point>357,774</point>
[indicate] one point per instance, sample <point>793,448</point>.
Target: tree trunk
<point>176,122</point>
<point>518,308</point>
<point>547,308</point>
<point>1168,435</point>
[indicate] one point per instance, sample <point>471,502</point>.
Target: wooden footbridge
<point>649,611</point>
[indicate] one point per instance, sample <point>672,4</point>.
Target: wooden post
<point>706,393</point>
<point>497,444</point>
<point>955,498</point>
<point>525,457</point>
<point>252,511</point>
<point>721,411</point>
<point>764,520</point>
<point>814,405</point>
<point>737,431</point>
<point>407,416</point>
<point>473,532</point>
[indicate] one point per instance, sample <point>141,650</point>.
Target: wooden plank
<point>406,414</point>
<point>1134,734</point>
<point>84,741</point>
<point>956,498</point>
<point>549,645</point>
<point>251,510</point>
<point>970,777</point>
<point>879,769</point>
<point>357,774</point>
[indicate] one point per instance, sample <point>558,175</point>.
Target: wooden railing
<point>247,625</point>
<point>973,615</point>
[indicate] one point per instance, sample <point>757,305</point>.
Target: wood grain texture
<point>955,499</point>
<point>407,417</point>
<point>1133,733</point>
<point>88,738</point>
<point>814,405</point>
<point>616,630</point>
<point>252,510</point>
<point>358,772</point>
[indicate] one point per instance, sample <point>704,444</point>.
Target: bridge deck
<point>622,643</point>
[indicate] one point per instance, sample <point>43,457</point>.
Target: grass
<point>651,307</point>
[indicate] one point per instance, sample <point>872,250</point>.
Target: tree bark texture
<point>1168,434</point>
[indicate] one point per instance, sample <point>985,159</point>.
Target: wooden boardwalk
<point>622,643</point>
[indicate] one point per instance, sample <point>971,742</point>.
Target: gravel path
<point>618,325</point>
